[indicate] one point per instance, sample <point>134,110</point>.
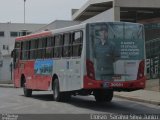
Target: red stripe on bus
<point>42,34</point>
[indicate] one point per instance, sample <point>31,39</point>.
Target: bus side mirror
<point>12,53</point>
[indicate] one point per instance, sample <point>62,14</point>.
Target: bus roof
<point>65,29</point>
<point>34,36</point>
<point>82,25</point>
<point>69,28</point>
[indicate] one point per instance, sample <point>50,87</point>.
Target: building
<point>146,12</point>
<point>58,24</point>
<point>8,33</point>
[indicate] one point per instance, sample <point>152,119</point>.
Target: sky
<point>37,11</point>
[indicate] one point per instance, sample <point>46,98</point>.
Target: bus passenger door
<point>16,75</point>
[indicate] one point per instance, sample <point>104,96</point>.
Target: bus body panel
<point>69,73</point>
<point>16,78</point>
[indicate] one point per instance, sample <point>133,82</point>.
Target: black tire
<point>57,95</point>
<point>103,95</point>
<point>27,92</point>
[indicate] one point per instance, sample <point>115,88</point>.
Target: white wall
<point>5,71</point>
<point>106,16</point>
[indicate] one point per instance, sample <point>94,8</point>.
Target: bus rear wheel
<point>103,95</point>
<point>27,92</point>
<point>57,95</point>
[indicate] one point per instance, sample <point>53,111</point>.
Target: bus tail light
<point>141,70</point>
<point>90,69</point>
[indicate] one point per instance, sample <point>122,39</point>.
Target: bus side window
<point>58,46</point>
<point>25,50</point>
<point>77,43</point>
<point>33,49</point>
<point>67,47</point>
<point>49,47</point>
<point>21,50</point>
<point>41,48</point>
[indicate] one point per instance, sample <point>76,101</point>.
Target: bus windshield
<point>115,49</point>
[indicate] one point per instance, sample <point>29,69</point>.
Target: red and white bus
<point>86,59</point>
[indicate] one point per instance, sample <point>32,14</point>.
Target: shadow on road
<point>43,97</point>
<point>119,106</point>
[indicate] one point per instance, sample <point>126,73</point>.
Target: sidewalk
<point>146,96</point>
<point>150,94</point>
<point>7,85</point>
<point>153,85</point>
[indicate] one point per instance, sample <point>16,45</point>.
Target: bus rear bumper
<point>115,85</point>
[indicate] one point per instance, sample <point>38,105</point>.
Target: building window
<point>23,33</point>
<point>29,33</point>
<point>1,33</point>
<point>5,47</point>
<point>13,34</point>
<point>1,63</point>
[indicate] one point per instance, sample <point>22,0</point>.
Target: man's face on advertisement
<point>103,34</point>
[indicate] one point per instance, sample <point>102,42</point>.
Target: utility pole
<point>24,11</point>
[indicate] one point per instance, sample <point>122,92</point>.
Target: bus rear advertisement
<point>87,59</point>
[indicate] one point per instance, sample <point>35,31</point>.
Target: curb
<point>6,86</point>
<point>138,100</point>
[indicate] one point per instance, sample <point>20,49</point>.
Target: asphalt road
<point>13,101</point>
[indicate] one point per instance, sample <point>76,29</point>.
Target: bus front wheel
<point>57,95</point>
<point>27,92</point>
<point>103,95</point>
